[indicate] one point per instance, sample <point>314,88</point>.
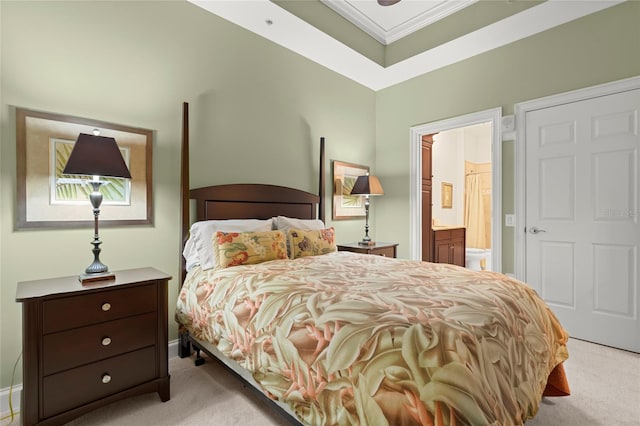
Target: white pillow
<point>286,223</point>
<point>190,253</point>
<point>198,249</point>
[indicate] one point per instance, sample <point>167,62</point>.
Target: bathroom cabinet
<point>427,192</point>
<point>449,245</point>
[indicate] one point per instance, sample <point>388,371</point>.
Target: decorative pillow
<point>284,224</point>
<point>198,249</point>
<point>311,243</point>
<point>245,248</point>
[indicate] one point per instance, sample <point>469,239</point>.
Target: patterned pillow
<point>245,248</point>
<point>312,242</point>
<point>285,223</point>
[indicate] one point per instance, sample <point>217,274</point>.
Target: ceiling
<point>387,24</point>
<point>393,27</point>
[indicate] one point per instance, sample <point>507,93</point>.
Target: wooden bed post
<point>184,346</point>
<point>184,187</point>
<point>321,188</point>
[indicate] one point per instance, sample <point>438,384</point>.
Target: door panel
<point>557,273</point>
<point>458,252</point>
<point>582,230</point>
<point>614,297</point>
<point>557,188</point>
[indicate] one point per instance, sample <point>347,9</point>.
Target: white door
<point>582,213</point>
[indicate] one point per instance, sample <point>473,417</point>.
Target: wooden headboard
<point>243,201</point>
<point>253,201</point>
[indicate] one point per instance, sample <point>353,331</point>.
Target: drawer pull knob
<point>106,306</point>
<point>106,378</point>
<point>106,341</point>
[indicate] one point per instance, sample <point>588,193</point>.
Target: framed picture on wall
<point>345,205</point>
<point>447,195</point>
<point>47,198</point>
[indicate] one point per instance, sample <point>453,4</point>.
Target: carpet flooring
<point>605,385</point>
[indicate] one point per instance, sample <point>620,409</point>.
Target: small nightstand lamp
<point>367,185</point>
<point>97,156</point>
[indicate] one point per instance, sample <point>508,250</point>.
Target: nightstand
<point>87,346</point>
<point>379,249</point>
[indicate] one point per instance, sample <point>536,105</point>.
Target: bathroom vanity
<point>449,245</point>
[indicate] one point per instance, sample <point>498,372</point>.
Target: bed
<point>345,338</point>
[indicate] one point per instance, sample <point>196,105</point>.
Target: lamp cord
<point>12,414</point>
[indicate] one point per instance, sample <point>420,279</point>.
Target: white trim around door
<point>521,109</point>
<point>415,200</point>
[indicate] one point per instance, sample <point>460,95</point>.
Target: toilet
<point>478,259</point>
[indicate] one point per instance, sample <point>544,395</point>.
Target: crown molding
<point>383,36</point>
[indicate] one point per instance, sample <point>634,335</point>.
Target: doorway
<point>455,128</point>
<point>462,171</point>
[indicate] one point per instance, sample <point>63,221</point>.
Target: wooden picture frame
<point>447,195</point>
<point>46,199</point>
<point>346,206</point>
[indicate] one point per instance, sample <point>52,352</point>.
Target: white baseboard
<point>173,349</point>
<point>17,389</point>
<point>15,399</point>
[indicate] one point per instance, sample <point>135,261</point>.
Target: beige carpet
<point>605,386</point>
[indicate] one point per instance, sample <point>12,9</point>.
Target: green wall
<point>258,112</point>
<point>596,49</point>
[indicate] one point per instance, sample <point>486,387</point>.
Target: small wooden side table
<point>85,346</point>
<point>379,248</point>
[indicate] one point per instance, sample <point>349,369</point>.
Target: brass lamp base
<point>367,243</point>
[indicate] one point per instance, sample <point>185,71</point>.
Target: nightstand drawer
<point>69,349</point>
<point>77,311</point>
<point>385,251</point>
<point>82,385</point>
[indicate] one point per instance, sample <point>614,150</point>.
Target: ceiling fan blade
<point>387,2</point>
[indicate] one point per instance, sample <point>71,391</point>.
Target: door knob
<point>535,230</point>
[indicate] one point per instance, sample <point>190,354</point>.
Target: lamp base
<point>91,278</point>
<point>367,243</point>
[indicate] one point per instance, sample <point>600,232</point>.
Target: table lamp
<point>97,156</point>
<point>367,185</point>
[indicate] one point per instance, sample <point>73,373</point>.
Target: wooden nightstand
<point>380,249</point>
<point>87,346</point>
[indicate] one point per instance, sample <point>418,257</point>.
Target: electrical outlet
<point>510,220</point>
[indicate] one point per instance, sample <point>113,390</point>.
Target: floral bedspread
<point>346,338</point>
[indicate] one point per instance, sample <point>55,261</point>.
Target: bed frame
<point>243,201</point>
<point>239,201</point>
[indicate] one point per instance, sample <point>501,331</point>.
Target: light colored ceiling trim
<point>387,36</point>
<point>295,34</point>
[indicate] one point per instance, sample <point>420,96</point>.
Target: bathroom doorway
<point>462,172</point>
<point>479,134</point>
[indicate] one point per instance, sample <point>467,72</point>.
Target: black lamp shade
<point>96,156</point>
<point>367,185</point>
